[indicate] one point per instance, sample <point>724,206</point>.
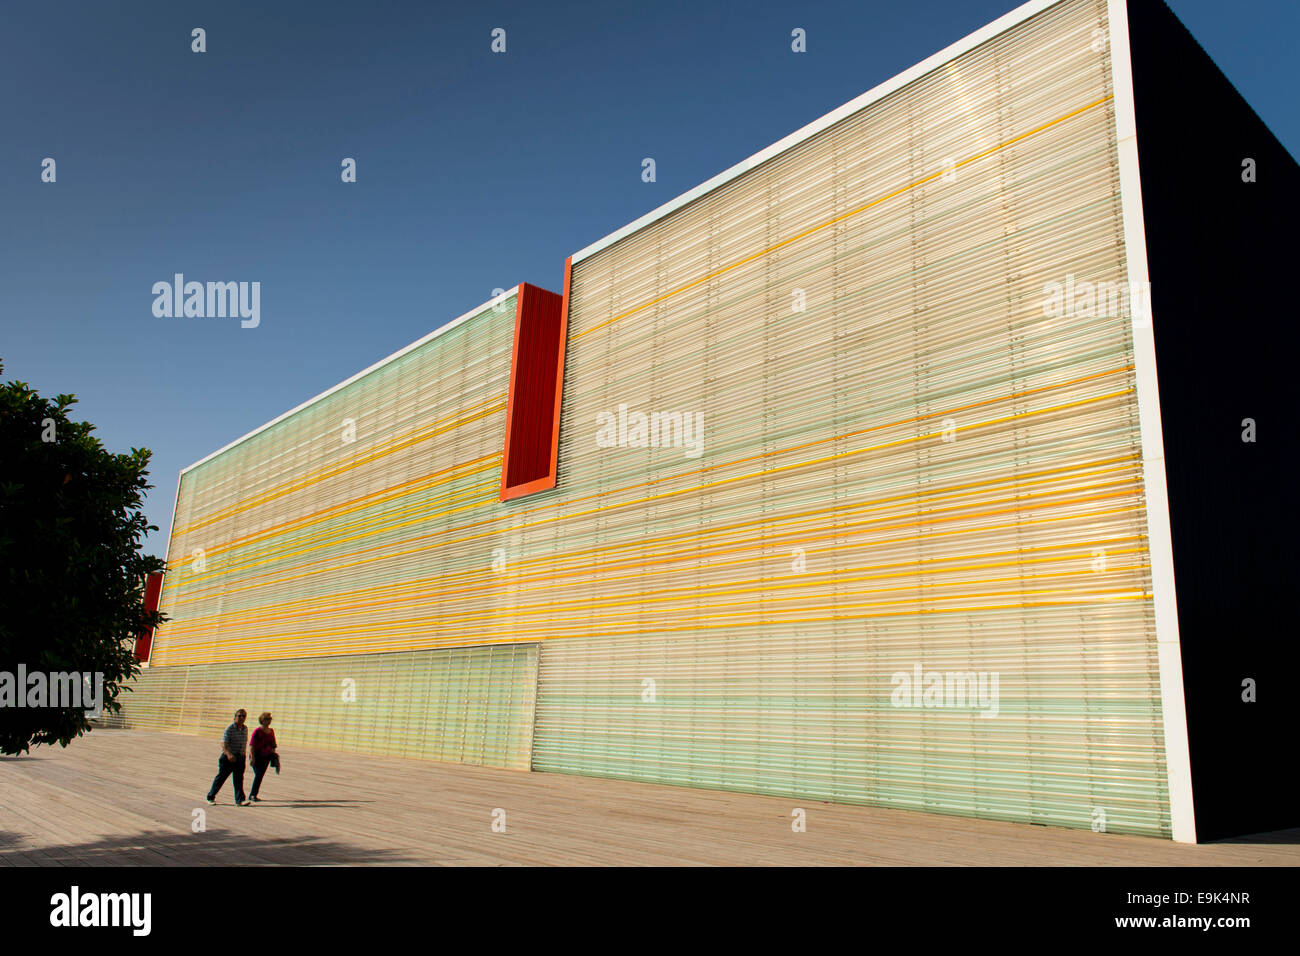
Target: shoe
<point>246,803</point>
<point>255,799</point>
<point>209,801</point>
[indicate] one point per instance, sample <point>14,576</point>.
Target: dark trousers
<point>259,771</point>
<point>224,769</point>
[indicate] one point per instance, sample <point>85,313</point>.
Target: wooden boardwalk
<point>129,797</point>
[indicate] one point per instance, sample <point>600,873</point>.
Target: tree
<point>71,567</point>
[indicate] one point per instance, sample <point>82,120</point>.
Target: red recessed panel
<point>536,385</point>
<point>152,594</point>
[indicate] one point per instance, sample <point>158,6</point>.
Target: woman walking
<point>263,747</point>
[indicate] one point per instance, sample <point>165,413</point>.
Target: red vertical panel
<point>536,386</point>
<point>152,594</point>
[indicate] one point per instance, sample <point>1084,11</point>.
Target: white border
<point>1160,541</point>
<point>343,384</point>
<point>951,52</point>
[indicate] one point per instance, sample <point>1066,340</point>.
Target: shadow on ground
<point>210,848</point>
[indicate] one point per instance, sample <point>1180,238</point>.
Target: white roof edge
<point>951,52</point>
<point>366,371</point>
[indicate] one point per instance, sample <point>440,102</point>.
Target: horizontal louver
<point>462,705</point>
<point>907,467</point>
<point>319,534</point>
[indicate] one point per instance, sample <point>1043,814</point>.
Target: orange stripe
<point>607,494</point>
<point>398,442</point>
<point>1022,503</point>
<point>852,212</point>
<point>388,594</point>
<point>554,568</point>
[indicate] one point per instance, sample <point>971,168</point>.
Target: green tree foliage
<point>71,566</point>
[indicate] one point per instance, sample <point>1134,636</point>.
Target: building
<point>927,459</point>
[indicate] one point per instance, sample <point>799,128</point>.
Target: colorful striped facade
<point>843,501</point>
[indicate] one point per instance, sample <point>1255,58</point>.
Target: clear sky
<point>475,170</point>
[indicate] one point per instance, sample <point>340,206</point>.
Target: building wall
<point>318,540</point>
<point>460,705</point>
<point>829,537</point>
<point>907,468</point>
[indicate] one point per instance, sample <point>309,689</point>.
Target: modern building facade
<point>867,471</point>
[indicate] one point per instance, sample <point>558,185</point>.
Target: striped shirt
<point>235,739</point>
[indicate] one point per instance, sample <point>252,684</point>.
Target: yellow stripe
<point>646,499</point>
<point>486,581</point>
<point>852,212</point>
<point>247,649</point>
<point>839,533</point>
<point>413,437</point>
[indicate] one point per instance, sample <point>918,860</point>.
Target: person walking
<point>234,745</point>
<point>263,745</point>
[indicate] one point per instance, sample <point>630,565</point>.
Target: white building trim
<point>1159,538</point>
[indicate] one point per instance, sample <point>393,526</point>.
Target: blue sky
<point>474,171</point>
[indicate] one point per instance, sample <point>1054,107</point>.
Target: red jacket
<point>263,742</point>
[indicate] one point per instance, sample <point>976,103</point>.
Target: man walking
<point>234,745</point>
